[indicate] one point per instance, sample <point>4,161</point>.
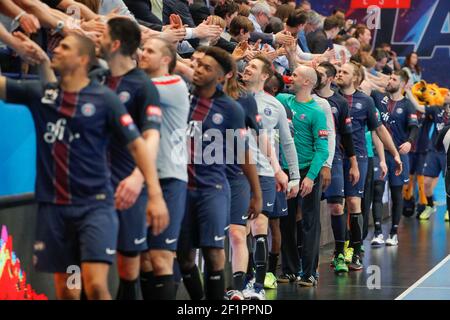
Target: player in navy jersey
<point>363,113</point>
<point>158,59</point>
<point>118,44</point>
<point>240,189</point>
<point>344,147</point>
<point>399,117</point>
<point>207,210</point>
<point>435,160</point>
<point>74,119</point>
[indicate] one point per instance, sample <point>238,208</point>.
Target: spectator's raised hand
<point>206,31</point>
<point>175,21</point>
<point>283,37</point>
<point>93,25</point>
<point>240,51</point>
<point>29,23</point>
<point>29,50</point>
<point>173,34</point>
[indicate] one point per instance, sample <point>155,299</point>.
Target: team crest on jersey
<point>88,109</point>
<point>358,106</point>
<point>217,118</point>
<point>302,116</point>
<point>334,109</point>
<point>267,111</point>
<point>399,110</point>
<point>124,96</point>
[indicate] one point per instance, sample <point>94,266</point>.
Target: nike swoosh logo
<point>226,228</point>
<point>244,217</point>
<point>140,241</point>
<point>110,252</point>
<point>360,192</point>
<point>216,238</point>
<point>284,210</point>
<point>269,204</point>
<point>170,241</point>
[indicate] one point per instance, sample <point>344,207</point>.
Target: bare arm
<point>86,13</point>
<point>414,101</point>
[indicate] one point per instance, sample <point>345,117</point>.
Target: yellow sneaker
<point>348,255</point>
<point>446,218</point>
<point>270,282</point>
<point>425,215</point>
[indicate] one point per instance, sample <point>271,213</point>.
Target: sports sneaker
<point>392,240</point>
<point>356,264</point>
<point>286,278</point>
<point>270,281</point>
<point>446,218</point>
<point>348,254</point>
<point>339,264</point>
<point>308,282</point>
<point>255,293</point>
<point>377,240</point>
<point>425,215</point>
<point>234,295</point>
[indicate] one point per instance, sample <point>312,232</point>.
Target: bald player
<point>311,137</point>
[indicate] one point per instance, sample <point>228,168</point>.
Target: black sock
<point>164,287</point>
<point>239,280</point>
<point>215,285</point>
<point>377,206</point>
<point>338,226</point>
<point>273,261</point>
<point>300,238</point>
<point>128,290</point>
<point>193,283</point>
<point>356,222</point>
<point>347,230</point>
<point>430,201</point>
<point>147,279</point>
<point>397,207</point>
<point>250,264</point>
<point>176,275</point>
<point>260,258</point>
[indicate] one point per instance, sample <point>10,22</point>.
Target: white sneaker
<point>254,294</point>
<point>378,240</point>
<point>234,295</point>
<point>392,240</point>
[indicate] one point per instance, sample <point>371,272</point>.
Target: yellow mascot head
<point>429,94</point>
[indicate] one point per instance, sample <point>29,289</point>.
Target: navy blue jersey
<point>253,121</point>
<point>362,113</point>
<point>342,120</point>
<point>439,117</point>
<point>397,116</point>
<point>72,134</point>
<point>207,169</point>
<point>141,98</point>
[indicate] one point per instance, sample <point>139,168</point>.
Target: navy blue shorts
<point>269,190</point>
<point>377,169</point>
<point>174,193</point>
<point>336,187</point>
<point>207,218</point>
<point>280,208</point>
<point>133,226</point>
<point>240,199</point>
<point>435,163</point>
<point>358,189</point>
<point>416,163</point>
<point>70,235</point>
<point>403,178</point>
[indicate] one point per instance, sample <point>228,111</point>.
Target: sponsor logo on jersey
<point>267,111</point>
<point>88,109</point>
<point>154,111</point>
<point>323,133</point>
<point>126,120</point>
<point>58,131</point>
<point>414,116</point>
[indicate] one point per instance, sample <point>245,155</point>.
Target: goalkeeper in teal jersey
<point>311,142</point>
